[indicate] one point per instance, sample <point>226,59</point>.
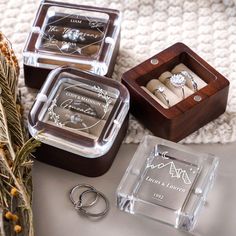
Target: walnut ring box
<point>81,119</point>
<point>176,92</point>
<point>63,34</point>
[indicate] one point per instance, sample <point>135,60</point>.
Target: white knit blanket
<point>149,26</point>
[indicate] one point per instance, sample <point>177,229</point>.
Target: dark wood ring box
<point>64,34</point>
<point>81,120</point>
<point>190,114</point>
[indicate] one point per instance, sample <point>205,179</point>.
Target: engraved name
<point>163,184</point>
<point>70,44</point>
<point>82,98</point>
<point>81,33</point>
<point>65,30</point>
<point>76,21</point>
<point>68,104</point>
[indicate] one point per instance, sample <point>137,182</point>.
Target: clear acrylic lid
<point>79,112</point>
<point>67,34</point>
<point>167,182</point>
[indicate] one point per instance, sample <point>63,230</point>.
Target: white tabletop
<point>54,214</point>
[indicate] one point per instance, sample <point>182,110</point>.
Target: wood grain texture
<point>186,116</point>
<point>91,167</point>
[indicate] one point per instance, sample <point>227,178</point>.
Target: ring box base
<point>91,167</point>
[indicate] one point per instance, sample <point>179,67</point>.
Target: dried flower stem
<point>4,118</point>
<point>15,163</point>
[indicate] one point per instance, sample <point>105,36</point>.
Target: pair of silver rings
<point>178,81</point>
<point>83,205</point>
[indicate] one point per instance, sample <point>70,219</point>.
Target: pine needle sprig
<point>22,164</point>
<point>8,96</point>
<point>16,216</point>
<point>5,134</point>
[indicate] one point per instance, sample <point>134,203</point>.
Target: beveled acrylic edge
<point>55,141</point>
<point>115,33</point>
<point>147,139</point>
<point>199,202</point>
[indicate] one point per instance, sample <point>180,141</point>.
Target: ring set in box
<point>177,109</point>
<point>81,120</point>
<point>84,37</point>
<point>167,182</point>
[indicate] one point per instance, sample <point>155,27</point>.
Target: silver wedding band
<point>75,189</point>
<point>190,77</point>
<point>100,195</point>
<point>79,204</point>
<point>161,91</point>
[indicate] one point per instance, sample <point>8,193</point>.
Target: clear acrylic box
<point>167,182</point>
<point>84,37</point>
<point>81,119</point>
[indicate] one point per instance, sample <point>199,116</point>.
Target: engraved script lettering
<point>163,184</point>
<point>70,104</point>
<point>53,28</point>
<point>65,30</point>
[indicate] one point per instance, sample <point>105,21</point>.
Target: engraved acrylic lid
<point>79,112</point>
<point>67,34</point>
<point>167,182</point>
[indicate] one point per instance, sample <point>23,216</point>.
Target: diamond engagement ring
<point>178,81</point>
<point>187,75</point>
<point>161,91</point>
<point>74,35</point>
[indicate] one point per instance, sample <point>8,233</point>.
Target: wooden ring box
<point>190,114</point>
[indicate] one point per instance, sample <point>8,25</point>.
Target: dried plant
<point>15,163</point>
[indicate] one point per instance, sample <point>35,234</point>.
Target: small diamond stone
<point>178,80</point>
<point>161,89</point>
<point>72,34</point>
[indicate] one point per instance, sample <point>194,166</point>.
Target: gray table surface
<point>54,214</point>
